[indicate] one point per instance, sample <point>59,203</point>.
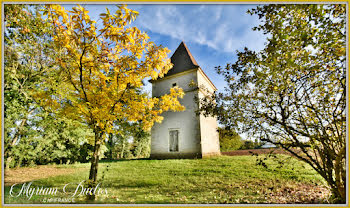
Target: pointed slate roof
<point>182,60</point>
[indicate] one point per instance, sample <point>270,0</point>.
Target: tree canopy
<point>292,93</point>
<point>32,135</point>
<point>229,140</point>
<point>99,71</point>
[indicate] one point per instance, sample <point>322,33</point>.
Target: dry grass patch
<point>26,174</point>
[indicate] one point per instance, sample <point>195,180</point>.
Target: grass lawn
<point>219,180</point>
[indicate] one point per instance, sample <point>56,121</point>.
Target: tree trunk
<point>94,163</point>
<point>340,175</point>
<point>8,162</point>
<point>18,133</point>
<point>123,147</point>
<point>20,128</point>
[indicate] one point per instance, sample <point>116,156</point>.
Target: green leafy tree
<point>21,72</point>
<point>292,93</point>
<point>32,135</point>
<point>141,142</point>
<point>118,144</point>
<point>58,140</point>
<point>229,140</point>
<point>132,141</point>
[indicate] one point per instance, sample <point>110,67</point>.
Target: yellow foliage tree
<point>99,72</point>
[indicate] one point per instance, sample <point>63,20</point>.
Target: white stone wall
<point>198,135</point>
<point>209,136</point>
<point>187,122</point>
<point>162,87</point>
<point>208,125</point>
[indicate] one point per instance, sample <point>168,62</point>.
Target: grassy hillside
<point>218,180</point>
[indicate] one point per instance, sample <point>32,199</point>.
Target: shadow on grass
<point>122,160</point>
<point>150,159</point>
<point>137,184</point>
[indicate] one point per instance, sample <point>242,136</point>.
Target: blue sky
<point>212,32</point>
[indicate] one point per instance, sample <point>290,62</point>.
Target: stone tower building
<point>184,134</point>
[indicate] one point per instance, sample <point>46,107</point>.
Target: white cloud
<point>225,28</point>
<point>218,13</point>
